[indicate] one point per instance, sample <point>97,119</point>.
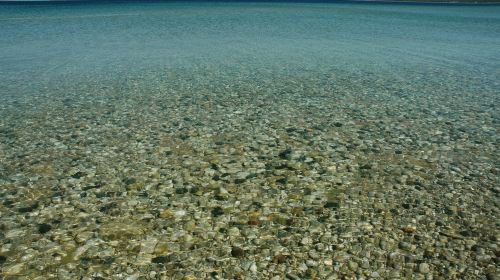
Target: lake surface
<point>249,141</point>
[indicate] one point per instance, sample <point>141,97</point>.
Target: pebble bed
<point>216,174</point>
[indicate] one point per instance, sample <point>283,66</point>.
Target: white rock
<point>306,241</point>
<point>15,233</point>
<point>424,268</point>
<point>234,231</point>
<point>180,213</point>
<point>14,270</point>
<point>133,277</point>
<point>303,267</point>
<point>148,246</point>
<point>253,268</point>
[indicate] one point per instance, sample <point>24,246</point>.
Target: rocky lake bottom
<point>210,175</point>
<point>273,141</point>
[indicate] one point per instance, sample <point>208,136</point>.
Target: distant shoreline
<point>410,2</point>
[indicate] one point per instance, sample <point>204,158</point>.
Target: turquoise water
<point>249,141</point>
<point>46,42</point>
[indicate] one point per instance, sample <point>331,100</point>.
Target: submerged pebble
<point>237,252</point>
<point>261,165</point>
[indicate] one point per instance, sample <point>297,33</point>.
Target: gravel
<point>211,175</point>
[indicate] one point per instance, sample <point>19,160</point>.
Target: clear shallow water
<point>188,139</point>
<point>45,42</point>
